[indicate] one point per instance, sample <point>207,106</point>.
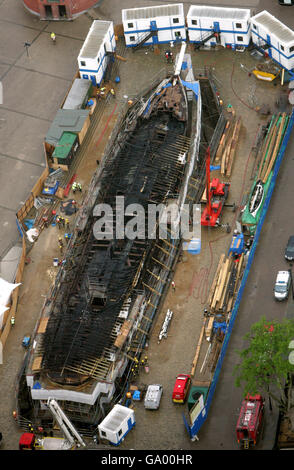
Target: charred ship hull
<point>96,319</point>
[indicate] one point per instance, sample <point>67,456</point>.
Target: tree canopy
<point>266,364</point>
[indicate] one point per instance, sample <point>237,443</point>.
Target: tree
<point>265,365</point>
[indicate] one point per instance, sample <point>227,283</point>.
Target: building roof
<point>64,145</point>
<point>94,39</point>
<point>218,12</point>
<point>78,94</point>
<point>152,12</point>
<point>70,120</point>
<point>274,26</point>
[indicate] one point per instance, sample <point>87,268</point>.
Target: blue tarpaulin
<point>192,86</point>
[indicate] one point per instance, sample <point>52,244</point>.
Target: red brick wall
<point>72,8</point>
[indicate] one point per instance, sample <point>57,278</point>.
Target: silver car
<point>153,397</point>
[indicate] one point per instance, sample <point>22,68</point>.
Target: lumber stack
<point>226,151</point>
<point>225,284</point>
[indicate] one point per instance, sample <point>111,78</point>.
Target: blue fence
<point>194,429</point>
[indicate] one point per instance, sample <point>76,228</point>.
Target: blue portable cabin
<point>212,25</point>
<point>154,25</point>
<point>97,51</point>
<point>274,39</point>
<point>117,424</point>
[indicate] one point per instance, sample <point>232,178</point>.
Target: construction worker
<point>67,224</point>
<point>169,56</point>
<point>67,236</point>
<point>58,221</point>
<point>62,221</point>
<point>60,241</point>
<point>173,284</point>
<point>79,187</point>
<point>12,321</point>
<point>74,187</point>
<point>53,37</point>
<point>112,92</point>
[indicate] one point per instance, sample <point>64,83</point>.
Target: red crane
<point>216,194</point>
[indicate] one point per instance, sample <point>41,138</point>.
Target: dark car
<point>289,252</point>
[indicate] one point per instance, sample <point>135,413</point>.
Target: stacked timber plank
<point>225,284</point>
<point>226,151</point>
<point>271,145</point>
<point>220,302</point>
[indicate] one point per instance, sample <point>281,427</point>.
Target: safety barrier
<point>199,421</point>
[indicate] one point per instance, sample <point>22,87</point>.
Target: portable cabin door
<point>93,79</point>
<point>216,28</point>
<point>153,27</point>
<point>268,40</point>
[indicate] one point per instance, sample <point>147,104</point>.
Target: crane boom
<point>66,426</point>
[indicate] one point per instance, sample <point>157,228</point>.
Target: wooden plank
<point>208,329</point>
<point>233,148</point>
<point>223,140</point>
<point>43,325</point>
<point>213,286</point>
<point>265,145</point>
<point>224,293</point>
<point>196,357</point>
<point>220,287</point>
<point>37,363</point>
<point>278,143</point>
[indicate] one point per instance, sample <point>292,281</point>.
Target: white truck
<point>153,397</point>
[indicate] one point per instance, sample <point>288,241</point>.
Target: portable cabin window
<point>178,34</point>
<point>132,38</point>
<point>83,63</point>
<point>176,20</point>
<point>98,60</point>
<point>120,432</point>
<point>103,433</point>
<point>239,25</point>
<point>291,49</point>
<point>282,47</point>
<point>194,22</point>
<point>254,26</point>
<point>130,25</point>
<point>240,38</point>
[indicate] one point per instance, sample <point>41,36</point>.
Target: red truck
<point>250,422</point>
<point>181,388</point>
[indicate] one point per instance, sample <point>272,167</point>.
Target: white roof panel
<point>94,39</point>
<point>274,26</point>
<point>153,12</point>
<point>218,12</point>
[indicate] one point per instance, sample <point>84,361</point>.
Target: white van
<point>153,397</point>
<point>282,285</point>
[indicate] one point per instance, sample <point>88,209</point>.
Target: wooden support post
<point>196,357</point>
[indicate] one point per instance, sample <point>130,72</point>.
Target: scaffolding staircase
<point>204,40</point>
<point>144,38</point>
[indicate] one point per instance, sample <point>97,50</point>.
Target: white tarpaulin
<point>5,292</point>
<point>2,311</point>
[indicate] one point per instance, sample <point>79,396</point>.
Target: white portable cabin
<point>218,25</point>
<point>116,425</point>
<point>276,39</point>
<point>95,53</point>
<point>154,25</point>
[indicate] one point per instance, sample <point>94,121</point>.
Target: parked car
<point>289,251</point>
<point>282,285</point>
<point>181,388</point>
<point>153,397</point>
